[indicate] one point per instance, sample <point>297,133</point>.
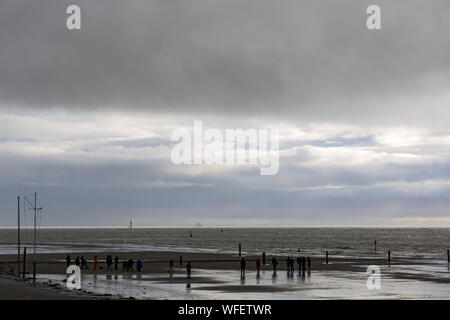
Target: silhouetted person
<point>130,264</point>
<point>243,265</point>
<point>116,262</point>
<point>309,263</point>
<point>188,269</point>
<point>170,266</point>
<point>299,262</point>
<point>258,266</point>
<point>109,262</point>
<point>83,263</point>
<point>288,264</point>
<point>95,263</point>
<point>303,265</point>
<point>124,265</point>
<point>139,265</point>
<point>68,260</point>
<point>274,264</point>
<point>77,261</point>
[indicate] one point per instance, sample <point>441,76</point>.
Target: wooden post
<point>326,257</point>
<point>181,261</point>
<point>389,258</point>
<point>24,261</point>
<point>264,258</point>
<point>34,271</point>
<point>240,248</point>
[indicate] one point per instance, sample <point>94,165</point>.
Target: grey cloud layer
<point>312,59</point>
<point>118,176</point>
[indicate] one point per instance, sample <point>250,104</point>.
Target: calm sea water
<point>348,242</point>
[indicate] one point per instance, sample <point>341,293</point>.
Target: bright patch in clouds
<point>131,152</point>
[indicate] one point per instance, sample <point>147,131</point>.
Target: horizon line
<point>221,226</point>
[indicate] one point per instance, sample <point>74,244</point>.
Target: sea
<point>411,243</point>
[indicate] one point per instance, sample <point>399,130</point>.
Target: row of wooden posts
<point>326,255</point>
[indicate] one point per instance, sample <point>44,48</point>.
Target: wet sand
<point>156,263</point>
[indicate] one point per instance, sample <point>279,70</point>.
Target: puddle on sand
<point>227,284</point>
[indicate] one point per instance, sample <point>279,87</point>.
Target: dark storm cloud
<point>309,58</point>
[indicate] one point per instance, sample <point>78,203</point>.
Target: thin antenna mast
<point>34,234</point>
<point>18,234</point>
<point>35,208</point>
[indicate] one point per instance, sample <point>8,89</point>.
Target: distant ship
<point>198,224</point>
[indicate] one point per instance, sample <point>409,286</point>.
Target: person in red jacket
<point>95,263</point>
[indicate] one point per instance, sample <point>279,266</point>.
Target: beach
<point>217,276</point>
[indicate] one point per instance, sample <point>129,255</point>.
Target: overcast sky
<point>86,116</point>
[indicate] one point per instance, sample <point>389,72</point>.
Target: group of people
<point>127,265</point>
<point>188,267</point>
<point>304,264</point>
<point>79,261</point>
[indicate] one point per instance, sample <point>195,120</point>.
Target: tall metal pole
<point>34,255</point>
<point>18,235</point>
<point>35,209</point>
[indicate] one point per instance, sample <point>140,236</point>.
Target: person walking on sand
<point>77,261</point>
<point>83,263</point>
<point>130,264</point>
<point>243,265</point>
<point>68,260</point>
<point>274,264</point>
<point>139,265</point>
<point>258,266</point>
<point>116,262</point>
<point>292,266</point>
<point>303,265</point>
<point>299,262</point>
<point>109,262</point>
<point>309,264</point>
<point>95,263</point>
<point>288,264</point>
<point>171,266</point>
<point>188,269</point>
